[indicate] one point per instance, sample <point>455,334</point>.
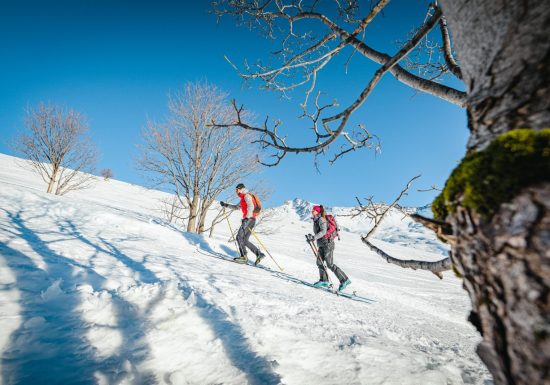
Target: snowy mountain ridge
<point>390,230</point>
<point>303,208</point>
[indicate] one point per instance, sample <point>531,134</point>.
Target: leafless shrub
<point>106,173</point>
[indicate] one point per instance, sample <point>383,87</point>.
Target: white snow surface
<point>96,288</point>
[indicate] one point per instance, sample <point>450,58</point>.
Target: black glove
<point>223,204</point>
<point>310,237</point>
<point>245,222</point>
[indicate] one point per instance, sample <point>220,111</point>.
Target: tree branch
<point>359,139</point>
<point>444,92</point>
<point>447,51</point>
<point>436,267</point>
<point>443,230</point>
<point>377,214</point>
<point>387,210</point>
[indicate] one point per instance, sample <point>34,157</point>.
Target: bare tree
<point>58,148</point>
<point>197,161</point>
<point>495,204</point>
<point>106,173</point>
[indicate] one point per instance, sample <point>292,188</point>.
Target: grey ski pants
<point>243,236</point>
<point>326,251</point>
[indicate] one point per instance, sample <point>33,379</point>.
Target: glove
<point>310,237</point>
<point>245,222</point>
<point>223,204</point>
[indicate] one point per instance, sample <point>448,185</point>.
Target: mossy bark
<point>485,179</point>
<point>505,264</point>
<point>504,256</point>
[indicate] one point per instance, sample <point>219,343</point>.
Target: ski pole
<point>232,234</point>
<point>325,268</point>
<point>268,253</point>
<point>316,253</point>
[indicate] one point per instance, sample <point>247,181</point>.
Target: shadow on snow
<point>50,344</point>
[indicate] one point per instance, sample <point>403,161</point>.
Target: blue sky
<point>116,61</point>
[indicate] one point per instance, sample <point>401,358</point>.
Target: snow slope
<point>96,289</point>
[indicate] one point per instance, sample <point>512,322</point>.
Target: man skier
<point>248,205</point>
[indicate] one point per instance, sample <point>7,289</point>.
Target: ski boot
<point>344,284</point>
<point>321,284</point>
<point>242,259</point>
<point>259,259</point>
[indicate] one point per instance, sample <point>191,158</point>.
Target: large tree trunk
<point>504,52</point>
<point>202,216</point>
<point>193,212</point>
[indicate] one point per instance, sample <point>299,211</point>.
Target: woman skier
<point>325,232</point>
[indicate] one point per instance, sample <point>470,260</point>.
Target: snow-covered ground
<point>95,288</point>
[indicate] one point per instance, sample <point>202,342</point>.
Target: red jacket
<point>244,205</point>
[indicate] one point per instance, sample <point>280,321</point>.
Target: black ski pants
<point>326,251</point>
<point>243,236</point>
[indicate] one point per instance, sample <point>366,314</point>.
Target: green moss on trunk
<point>486,179</point>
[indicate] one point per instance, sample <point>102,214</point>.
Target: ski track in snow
<point>95,288</point>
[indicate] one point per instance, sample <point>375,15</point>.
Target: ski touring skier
<point>324,228</point>
<point>250,207</point>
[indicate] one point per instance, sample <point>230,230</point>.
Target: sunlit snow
<point>96,288</point>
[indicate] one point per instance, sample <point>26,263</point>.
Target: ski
<point>287,277</point>
<point>228,258</point>
<point>331,290</point>
<point>353,296</point>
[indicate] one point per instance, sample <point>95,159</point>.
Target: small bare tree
<point>106,173</point>
<point>195,160</point>
<point>172,210</point>
<point>58,148</point>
